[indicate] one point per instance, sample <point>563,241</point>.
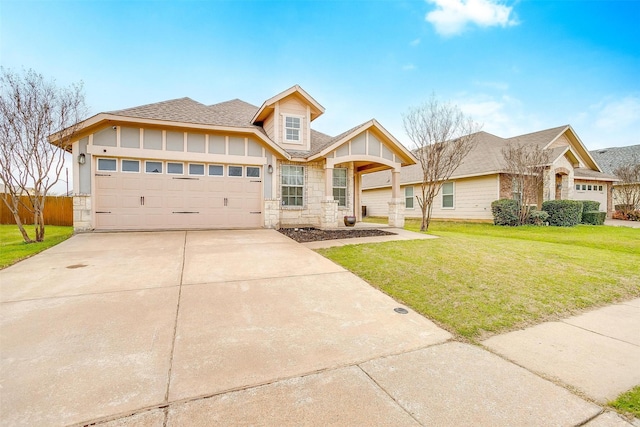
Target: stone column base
<point>82,213</point>
<point>329,215</point>
<point>396,213</point>
<point>272,213</point>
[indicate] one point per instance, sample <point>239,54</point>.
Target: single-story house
<point>180,164</point>
<point>572,173</point>
<point>611,159</point>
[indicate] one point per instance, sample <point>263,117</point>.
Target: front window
<point>516,189</point>
<point>340,186</point>
<point>408,197</point>
<point>292,185</point>
<point>447,195</point>
<point>292,128</point>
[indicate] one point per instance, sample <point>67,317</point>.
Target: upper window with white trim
<point>292,127</point>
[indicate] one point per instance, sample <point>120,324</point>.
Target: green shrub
<point>505,212</point>
<point>593,217</point>
<point>563,213</point>
<point>590,205</point>
<point>538,217</point>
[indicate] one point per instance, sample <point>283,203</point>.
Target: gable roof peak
<point>267,106</point>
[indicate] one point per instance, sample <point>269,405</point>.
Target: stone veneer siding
<point>82,213</point>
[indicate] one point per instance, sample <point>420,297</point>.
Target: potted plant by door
<point>349,220</point>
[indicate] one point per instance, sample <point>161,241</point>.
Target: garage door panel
<point>165,201</point>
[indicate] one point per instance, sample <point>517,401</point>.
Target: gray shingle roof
<point>610,159</point>
<point>590,173</point>
<point>485,158</point>
<point>233,113</point>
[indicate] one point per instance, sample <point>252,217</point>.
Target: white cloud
<point>409,67</point>
<point>415,42</point>
<point>451,17</point>
<point>619,113</point>
<point>503,116</point>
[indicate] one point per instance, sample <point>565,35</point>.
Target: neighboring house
<point>180,164</point>
<point>610,159</point>
<point>572,173</point>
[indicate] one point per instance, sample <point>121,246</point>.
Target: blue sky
<point>515,66</point>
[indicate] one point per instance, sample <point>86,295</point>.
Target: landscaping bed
<point>310,234</point>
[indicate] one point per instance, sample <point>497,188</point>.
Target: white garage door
<point>596,191</point>
<point>143,201</point>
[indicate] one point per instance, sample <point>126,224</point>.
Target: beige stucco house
<point>180,164</point>
<point>572,173</point>
<point>611,159</point>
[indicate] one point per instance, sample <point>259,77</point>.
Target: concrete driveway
<point>238,327</point>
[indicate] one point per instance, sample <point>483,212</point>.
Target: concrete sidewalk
<point>242,327</point>
<point>596,353</point>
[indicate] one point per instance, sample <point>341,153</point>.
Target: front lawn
<point>479,279</point>
<point>14,249</point>
<point>629,402</point>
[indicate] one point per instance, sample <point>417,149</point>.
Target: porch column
<point>395,184</point>
<point>396,205</point>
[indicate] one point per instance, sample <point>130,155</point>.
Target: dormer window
<point>292,126</point>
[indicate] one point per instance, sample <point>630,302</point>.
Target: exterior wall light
<point>270,169</point>
<point>82,159</point>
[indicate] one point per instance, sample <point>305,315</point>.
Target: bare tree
<point>628,189</point>
<point>442,136</point>
<point>32,109</point>
<point>525,165</point>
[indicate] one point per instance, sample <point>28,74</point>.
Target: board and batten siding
<point>472,200</point>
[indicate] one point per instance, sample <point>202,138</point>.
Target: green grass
<point>13,248</point>
<point>477,280</point>
<point>628,402</point>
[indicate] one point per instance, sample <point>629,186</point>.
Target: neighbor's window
<point>589,187</point>
<point>235,171</point>
<point>153,167</point>
<point>599,187</point>
<point>408,197</point>
<point>578,187</point>
<point>196,169</point>
<point>216,170</point>
<point>107,165</point>
<point>175,168</point>
<point>253,172</point>
<point>292,128</point>
<point>584,187</point>
<point>340,186</point>
<point>292,185</point>
<point>130,166</point>
<point>447,195</point>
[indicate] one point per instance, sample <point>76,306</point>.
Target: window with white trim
<point>252,172</point>
<point>234,171</point>
<point>340,186</point>
<point>130,166</point>
<point>447,195</point>
<point>216,170</point>
<point>153,167</point>
<point>292,126</point>
<point>292,185</point>
<point>175,168</point>
<point>408,197</point>
<point>196,169</point>
<point>107,165</point>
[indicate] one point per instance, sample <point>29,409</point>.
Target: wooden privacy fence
<point>57,211</point>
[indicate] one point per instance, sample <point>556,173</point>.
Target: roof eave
<point>267,105</point>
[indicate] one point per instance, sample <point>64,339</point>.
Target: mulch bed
<point>309,234</point>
